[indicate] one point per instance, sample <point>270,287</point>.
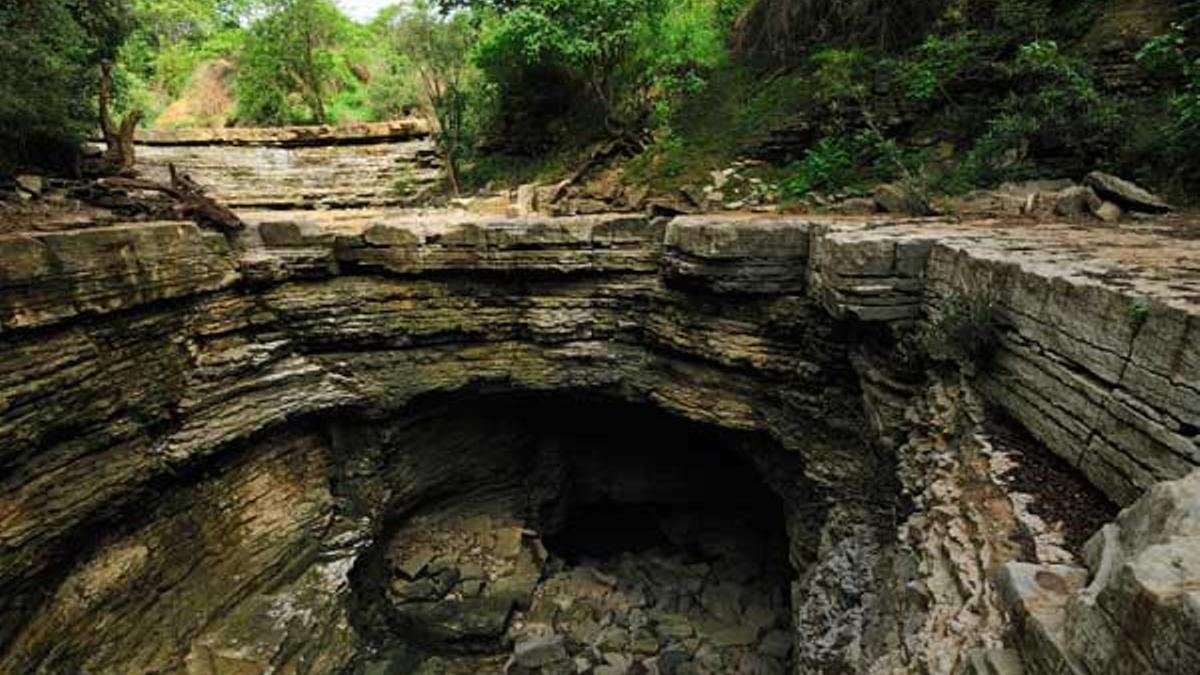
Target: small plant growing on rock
<point>963,330</point>
<point>1139,313</point>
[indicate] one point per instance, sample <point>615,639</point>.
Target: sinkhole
<point>579,534</point>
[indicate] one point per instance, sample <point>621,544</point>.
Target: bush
<point>288,70</point>
<point>831,165</point>
<point>611,66</point>
<point>1173,61</point>
<point>963,330</point>
<point>593,42</point>
<point>1054,110</point>
<point>51,53</point>
<point>932,69</point>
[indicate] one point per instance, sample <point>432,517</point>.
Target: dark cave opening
<point>608,530</point>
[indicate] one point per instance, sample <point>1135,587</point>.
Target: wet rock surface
<point>318,176</point>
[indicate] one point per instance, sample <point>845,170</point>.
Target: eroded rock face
<point>208,449</point>
<point>1133,609</point>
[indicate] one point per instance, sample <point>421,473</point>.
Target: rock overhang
<point>744,323</point>
<point>1062,297</point>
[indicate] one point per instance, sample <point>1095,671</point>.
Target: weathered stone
<point>1144,572</point>
<point>673,626</point>
<point>30,184</point>
<point>1077,200</point>
<point>856,205</point>
<point>1108,212</point>
<point>415,562</point>
<point>527,200</point>
<point>539,652</point>
<point>901,199</point>
<point>1125,193</point>
<point>142,382</point>
<point>776,644</point>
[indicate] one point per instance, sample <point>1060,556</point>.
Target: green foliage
<point>831,165</point>
<point>618,66</point>
<point>851,162</point>
<point>838,74</point>
<point>687,45</point>
<point>1173,60</point>
<point>593,43</point>
<point>1139,312</point>
<point>1053,109</point>
<point>288,69</point>
<point>963,330</point>
<point>937,63</point>
<point>436,48</point>
<point>50,53</point>
<point>172,37</point>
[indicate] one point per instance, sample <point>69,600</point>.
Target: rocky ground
<point>700,599</point>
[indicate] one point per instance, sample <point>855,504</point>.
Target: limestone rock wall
<point>1099,352</point>
<point>1132,609</point>
<point>265,174</point>
<point>152,376</point>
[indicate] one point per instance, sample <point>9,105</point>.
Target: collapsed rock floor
<point>696,593</point>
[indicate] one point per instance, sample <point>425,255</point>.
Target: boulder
<point>1134,610</point>
<point>1108,212</point>
<point>1076,200</point>
<point>693,197</point>
<point>31,184</point>
<point>855,205</point>
<point>721,178</point>
<point>1125,194</point>
<point>539,651</point>
<point>899,198</point>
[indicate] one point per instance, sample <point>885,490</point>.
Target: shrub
<point>594,43</point>
<point>1054,109</point>
<point>50,53</point>
<point>963,330</point>
<point>1174,62</point>
<point>929,71</point>
<point>287,70</point>
<point>1139,312</point>
<point>830,165</point>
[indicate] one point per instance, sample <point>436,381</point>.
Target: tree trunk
<point>452,174</point>
<point>120,154</point>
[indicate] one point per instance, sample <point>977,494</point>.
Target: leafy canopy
<point>51,52</point>
<point>288,69</point>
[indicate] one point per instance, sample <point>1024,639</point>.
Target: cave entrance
<point>593,536</point>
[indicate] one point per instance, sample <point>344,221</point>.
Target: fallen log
<point>191,198</point>
<point>628,144</point>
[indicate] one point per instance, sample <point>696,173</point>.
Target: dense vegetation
<point>50,54</point>
<point>838,94</point>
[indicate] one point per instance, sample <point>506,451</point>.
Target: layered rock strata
<point>204,444</point>
<point>355,166</point>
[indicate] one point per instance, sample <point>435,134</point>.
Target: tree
<point>436,48</point>
<point>172,37</point>
<point>120,154</point>
<point>51,53</point>
<point>597,41</point>
<point>290,51</point>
